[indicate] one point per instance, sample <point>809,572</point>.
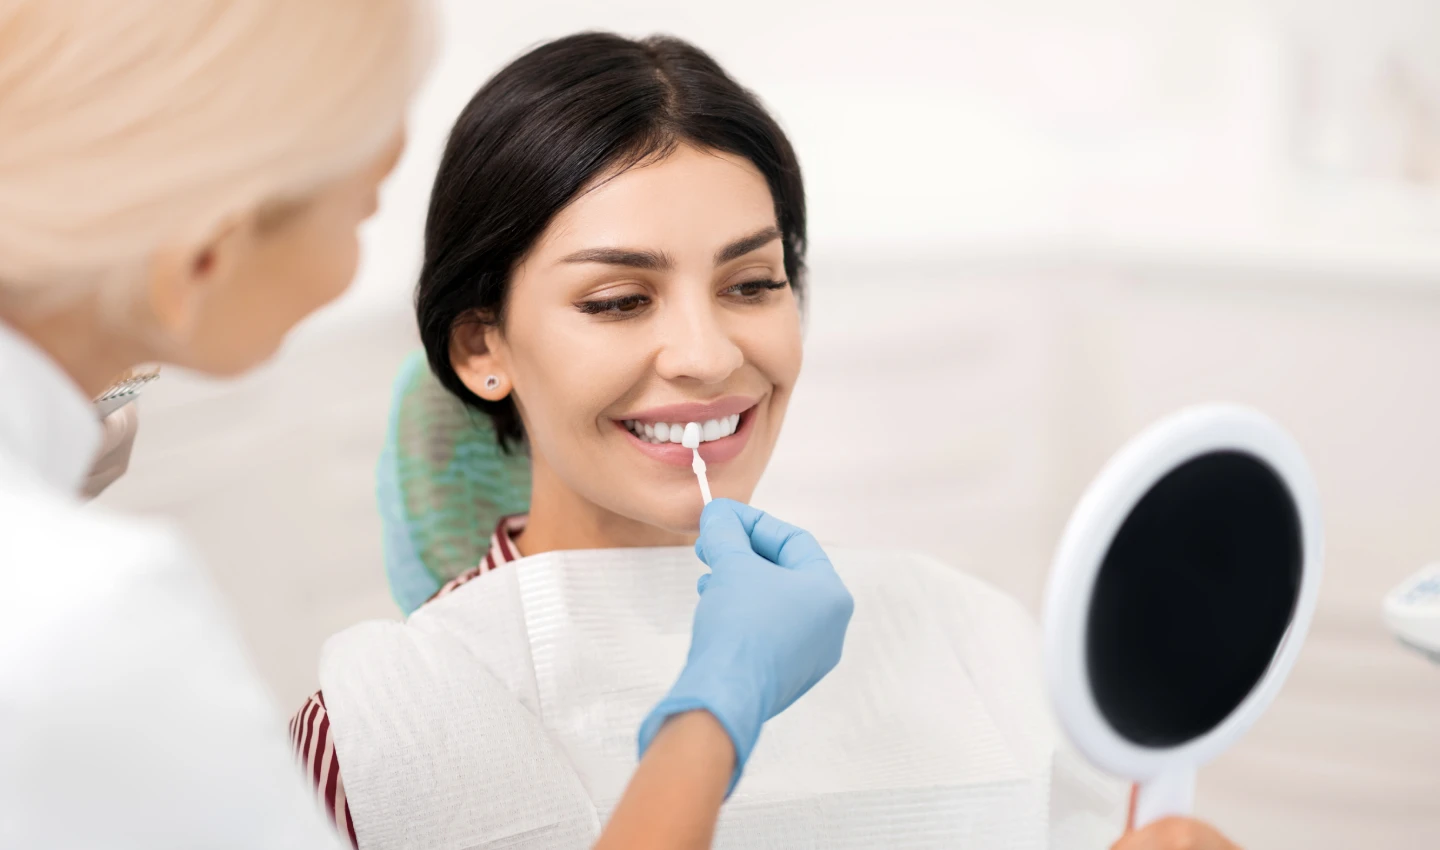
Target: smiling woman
<point>615,249</point>
<point>640,247</point>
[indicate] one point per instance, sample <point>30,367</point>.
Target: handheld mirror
<point>1179,598</point>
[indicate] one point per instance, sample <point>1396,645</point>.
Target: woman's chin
<point>673,514</point>
<point>680,521</point>
<point>680,516</point>
<point>662,503</point>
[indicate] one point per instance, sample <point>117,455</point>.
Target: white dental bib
<point>504,714</point>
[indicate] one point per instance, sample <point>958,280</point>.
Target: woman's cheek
<point>587,372</point>
<point>777,349</point>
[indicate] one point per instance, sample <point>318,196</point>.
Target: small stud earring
<point>492,382</point>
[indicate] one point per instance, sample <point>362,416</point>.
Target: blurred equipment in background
<point>1412,611</point>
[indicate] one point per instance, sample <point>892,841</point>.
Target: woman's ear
<point>477,354</point>
<point>182,277</point>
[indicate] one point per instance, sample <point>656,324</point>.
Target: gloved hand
<point>770,623</point>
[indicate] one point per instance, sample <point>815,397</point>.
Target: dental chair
<point>443,484</point>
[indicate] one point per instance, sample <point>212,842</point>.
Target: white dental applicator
<point>691,441</point>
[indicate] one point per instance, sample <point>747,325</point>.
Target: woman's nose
<point>696,346</point>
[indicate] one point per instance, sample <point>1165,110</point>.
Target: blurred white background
<point>1035,227</point>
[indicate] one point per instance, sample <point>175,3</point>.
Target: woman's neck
<point>562,519</point>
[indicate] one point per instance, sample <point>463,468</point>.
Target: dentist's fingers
<point>747,515</point>
<point>722,533</point>
<point>784,544</point>
<point>725,521</point>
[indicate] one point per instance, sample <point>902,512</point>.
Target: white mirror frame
<point>1166,776</point>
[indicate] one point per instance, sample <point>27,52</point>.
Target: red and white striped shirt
<point>310,727</point>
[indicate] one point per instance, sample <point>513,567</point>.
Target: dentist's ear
<point>183,276</point>
<point>477,354</point>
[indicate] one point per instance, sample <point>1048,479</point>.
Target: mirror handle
<point>1162,795</point>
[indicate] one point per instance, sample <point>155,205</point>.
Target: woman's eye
<point>621,306</point>
<point>756,290</point>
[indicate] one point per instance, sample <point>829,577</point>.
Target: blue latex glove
<point>770,624</point>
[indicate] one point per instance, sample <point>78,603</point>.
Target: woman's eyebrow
<point>637,258</point>
<point>629,257</point>
<point>744,245</point>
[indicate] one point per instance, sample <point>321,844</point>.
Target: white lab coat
<point>129,714</point>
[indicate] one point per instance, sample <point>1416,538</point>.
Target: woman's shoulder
<point>502,551</point>
<point>474,621</point>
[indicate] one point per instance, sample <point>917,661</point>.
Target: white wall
<point>954,130</point>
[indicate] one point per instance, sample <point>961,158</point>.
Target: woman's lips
<point>694,411</point>
<point>713,451</point>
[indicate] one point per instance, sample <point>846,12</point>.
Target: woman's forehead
<point>691,201</point>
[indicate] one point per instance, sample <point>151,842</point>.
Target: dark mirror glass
<point>1193,598</point>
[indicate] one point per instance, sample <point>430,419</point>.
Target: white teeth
<point>667,432</point>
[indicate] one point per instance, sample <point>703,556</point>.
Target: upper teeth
<point>667,432</point>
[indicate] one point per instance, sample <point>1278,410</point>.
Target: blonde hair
<point>125,126</point>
